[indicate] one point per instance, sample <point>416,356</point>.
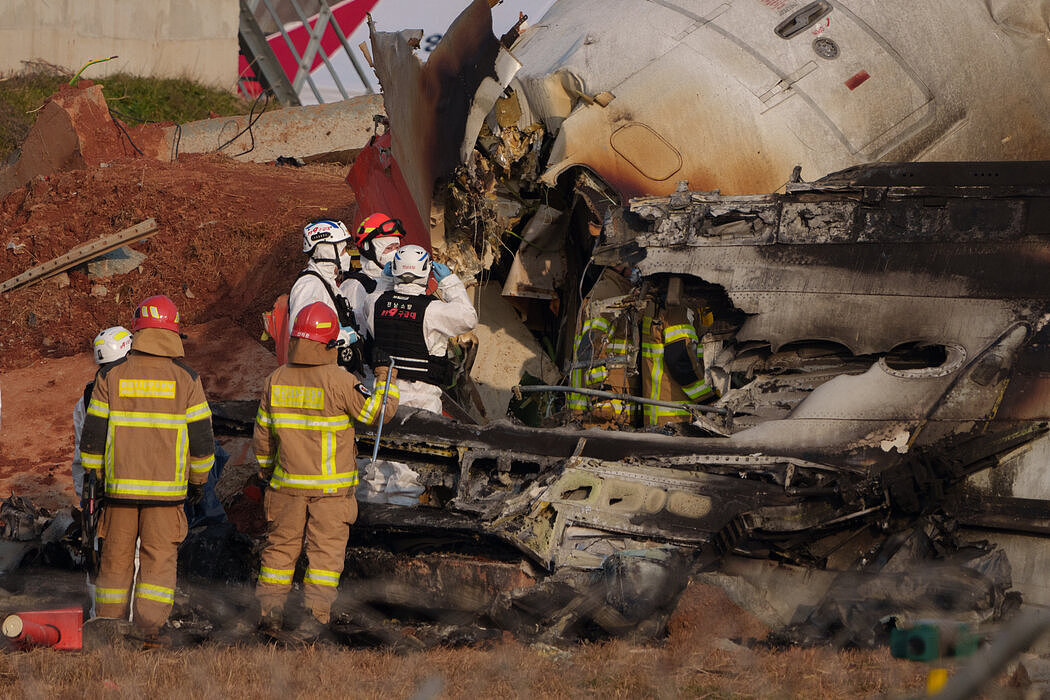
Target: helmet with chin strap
<point>374,226</point>
<point>319,232</point>
<point>411,264</point>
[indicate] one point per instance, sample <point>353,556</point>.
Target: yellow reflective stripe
<point>322,577</point>
<point>198,411</point>
<point>300,421</point>
<point>263,418</point>
<point>144,419</point>
<point>148,419</point>
<point>673,334</point>
<point>370,410</point>
<point>597,374</point>
<point>128,487</point>
<point>98,408</point>
<point>598,324</point>
<point>661,411</point>
<point>202,465</point>
<point>652,349</point>
<point>655,353</point>
<point>105,596</point>
<point>278,577</point>
<point>617,347</point>
<point>697,390</point>
<point>329,482</point>
<point>618,406</point>
<point>160,594</point>
<point>90,460</point>
<point>264,461</point>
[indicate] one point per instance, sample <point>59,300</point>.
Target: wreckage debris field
<point>226,245</point>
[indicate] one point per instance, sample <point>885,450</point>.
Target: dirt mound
<point>227,244</point>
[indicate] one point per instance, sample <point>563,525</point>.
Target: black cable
<point>175,141</point>
<point>252,118</point>
<point>120,125</point>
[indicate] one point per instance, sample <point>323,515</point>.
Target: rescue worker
<point>304,443</point>
<point>377,239</point>
<point>413,327</point>
<point>672,363</point>
<point>109,346</point>
<point>148,439</point>
<point>602,360</point>
<point>328,244</point>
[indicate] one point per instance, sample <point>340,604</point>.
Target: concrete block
<point>117,262</point>
<point>308,133</point>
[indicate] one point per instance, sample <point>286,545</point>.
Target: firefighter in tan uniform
<point>672,364</point>
<point>304,442</point>
<point>601,357</point>
<point>147,438</point>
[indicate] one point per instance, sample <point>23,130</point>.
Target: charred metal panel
<point>428,104</point>
<point>904,257</point>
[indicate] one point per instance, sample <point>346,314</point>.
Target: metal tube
<point>382,410</point>
<point>353,59</point>
<point>539,388</point>
<point>295,51</point>
<point>324,18</point>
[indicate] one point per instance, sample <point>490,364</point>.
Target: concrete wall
<point>164,38</point>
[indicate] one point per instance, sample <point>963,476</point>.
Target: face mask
<point>345,260</point>
<point>385,248</point>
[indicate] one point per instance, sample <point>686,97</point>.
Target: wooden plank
<point>82,253</point>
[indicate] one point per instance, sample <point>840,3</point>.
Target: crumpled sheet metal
<point>429,105</point>
<point>710,94</point>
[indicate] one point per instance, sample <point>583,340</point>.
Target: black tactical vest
<point>398,325</point>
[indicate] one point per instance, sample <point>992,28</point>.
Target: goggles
<point>390,227</point>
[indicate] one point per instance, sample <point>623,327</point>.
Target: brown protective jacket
<point>148,426</point>
<point>304,432</point>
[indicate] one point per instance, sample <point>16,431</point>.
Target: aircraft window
<point>917,360</point>
<point>803,19</point>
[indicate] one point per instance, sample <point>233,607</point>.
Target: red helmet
<point>316,321</point>
<point>156,312</point>
<point>378,224</point>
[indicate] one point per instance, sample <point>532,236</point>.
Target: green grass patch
<point>134,99</point>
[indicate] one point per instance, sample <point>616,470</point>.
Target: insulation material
<point>384,481</point>
<point>538,269</point>
<point>506,350</point>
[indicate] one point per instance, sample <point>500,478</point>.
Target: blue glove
<point>351,333</point>
<point>388,269</point>
<point>441,271</point>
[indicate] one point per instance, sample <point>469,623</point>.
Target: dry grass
<point>697,660</point>
<point>509,670</point>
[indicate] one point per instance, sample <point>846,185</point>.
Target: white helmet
<point>323,231</point>
<point>112,344</point>
<point>411,264</point>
